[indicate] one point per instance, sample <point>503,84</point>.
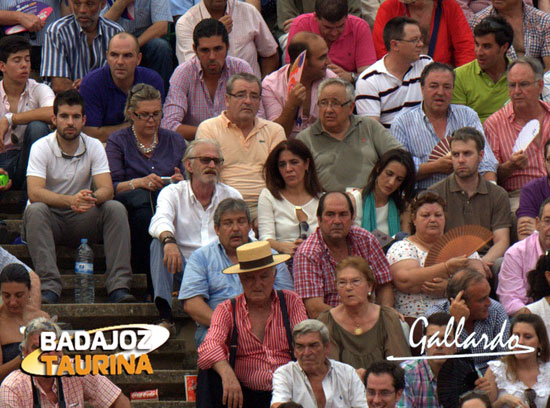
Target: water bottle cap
<point>84,241</point>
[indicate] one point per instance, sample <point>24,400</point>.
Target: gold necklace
<point>358,330</point>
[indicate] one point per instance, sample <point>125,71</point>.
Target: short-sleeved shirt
<point>531,197</point>
<point>67,176</point>
<point>104,101</point>
<point>313,266</point>
<point>351,50</point>
<point>347,163</point>
<point>380,94</point>
<point>66,52</point>
<point>475,89</point>
<point>146,13</point>
<point>34,96</point>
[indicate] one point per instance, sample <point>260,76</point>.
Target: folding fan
<point>527,135</point>
<point>456,376</point>
<point>441,149</point>
<point>462,240</point>
<point>302,219</point>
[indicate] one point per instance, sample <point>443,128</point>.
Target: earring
<point>370,293</point>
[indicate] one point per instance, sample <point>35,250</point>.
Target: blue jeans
<point>157,55</point>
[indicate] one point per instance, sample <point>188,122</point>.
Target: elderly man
<point>421,375</point>
<point>424,126</point>
<point>348,38</point>
<point>391,84</point>
<point>384,382</point>
<point>521,258</point>
<point>183,218</point>
<point>204,286</point>
<point>106,89</point>
<point>263,319</point>
<point>63,168</point>
<point>297,110</point>
<point>25,109</point>
<point>315,380</point>
<point>249,35</point>
<point>481,84</point>
<point>339,137</point>
<point>20,390</point>
<point>76,44</point>
<point>246,140</point>
<point>517,168</point>
<point>334,240</point>
<point>197,87</point>
<point>528,23</point>
<point>468,297</point>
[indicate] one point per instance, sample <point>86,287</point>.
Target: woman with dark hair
<point>474,399</point>
<point>539,290</point>
<point>521,380</point>
<point>292,188</point>
<point>383,203</point>
<point>16,310</point>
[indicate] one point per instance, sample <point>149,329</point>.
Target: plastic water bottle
<point>84,269</point>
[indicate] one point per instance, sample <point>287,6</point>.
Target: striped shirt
<point>415,131</point>
<point>420,385</point>
<point>502,130</point>
<point>380,94</point>
<point>188,99</point>
<point>256,360</point>
<point>66,53</point>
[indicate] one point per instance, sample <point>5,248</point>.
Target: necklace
<point>358,330</point>
<point>141,147</point>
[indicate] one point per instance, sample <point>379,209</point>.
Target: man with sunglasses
<point>63,208</point>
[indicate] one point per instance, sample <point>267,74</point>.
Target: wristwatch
<point>168,240</point>
<point>9,117</point>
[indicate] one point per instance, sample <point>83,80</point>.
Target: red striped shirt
<point>502,130</point>
<point>256,360</point>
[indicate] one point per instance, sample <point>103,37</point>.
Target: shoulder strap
<point>234,335</point>
<point>286,322</point>
<point>437,20</point>
<point>60,394</point>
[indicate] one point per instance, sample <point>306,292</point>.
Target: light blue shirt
<point>180,7</point>
<point>146,12</point>
<point>415,131</point>
<point>203,276</point>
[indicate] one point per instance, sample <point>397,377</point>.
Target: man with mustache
<point>204,286</point>
<point>183,219</point>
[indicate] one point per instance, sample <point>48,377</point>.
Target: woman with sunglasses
<point>139,156</point>
<point>521,380</point>
<point>292,182</point>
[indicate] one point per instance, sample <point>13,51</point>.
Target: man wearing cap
<point>263,335</point>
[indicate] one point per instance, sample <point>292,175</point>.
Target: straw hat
<point>253,256</point>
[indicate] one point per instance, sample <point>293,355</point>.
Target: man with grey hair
<point>339,136</point>
<point>246,140</point>
<point>204,286</point>
<point>183,219</point>
<point>339,382</point>
<point>20,390</point>
<point>502,128</point>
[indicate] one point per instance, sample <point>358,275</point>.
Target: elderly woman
<point>138,157</point>
<point>291,181</point>
<point>419,287</point>
<point>361,332</point>
<point>18,309</point>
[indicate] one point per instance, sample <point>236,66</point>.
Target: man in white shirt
<point>296,380</point>
<point>63,207</point>
<point>183,219</point>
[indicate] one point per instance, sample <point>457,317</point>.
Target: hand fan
<point>442,148</point>
<point>302,219</point>
<point>456,376</point>
<point>296,72</point>
<point>527,135</point>
<point>37,8</point>
<point>462,240</point>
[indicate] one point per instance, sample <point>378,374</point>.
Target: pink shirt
<point>274,90</point>
<point>353,49</point>
<point>34,96</point>
<point>502,130</point>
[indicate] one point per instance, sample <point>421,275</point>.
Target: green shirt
<point>475,89</point>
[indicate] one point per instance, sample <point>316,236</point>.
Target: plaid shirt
<point>313,266</point>
<point>536,26</point>
<point>420,385</point>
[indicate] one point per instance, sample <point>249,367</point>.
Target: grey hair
<point>350,90</point>
<point>230,205</point>
<point>462,280</point>
<point>139,93</point>
<point>535,64</point>
<point>311,326</point>
<point>39,325</point>
<point>191,147</point>
<point>245,76</point>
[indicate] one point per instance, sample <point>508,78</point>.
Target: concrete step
<point>68,282</point>
<point>65,256</point>
<point>12,204</point>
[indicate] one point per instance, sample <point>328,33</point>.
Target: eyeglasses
<point>414,41</point>
<point>531,396</point>
<point>206,160</point>
<point>325,103</point>
<point>521,85</point>
<point>344,283</point>
<point>146,115</point>
<point>241,96</point>
<point>382,393</point>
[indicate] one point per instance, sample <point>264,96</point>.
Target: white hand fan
<point>526,136</point>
